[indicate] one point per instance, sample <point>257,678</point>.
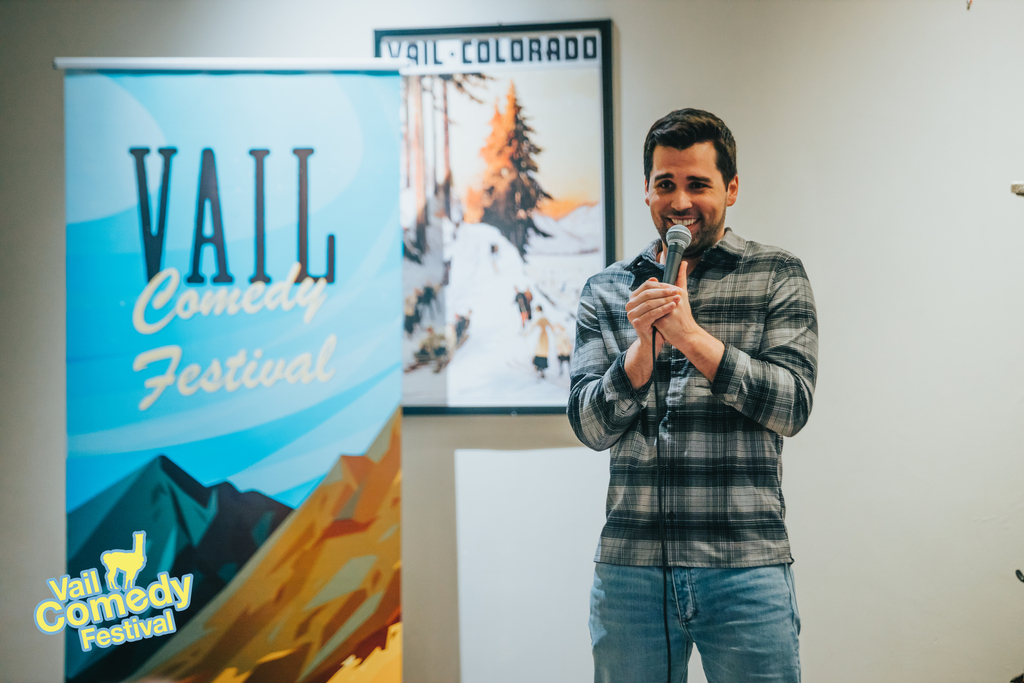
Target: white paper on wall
<point>527,524</point>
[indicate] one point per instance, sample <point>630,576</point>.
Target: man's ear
<point>732,190</point>
<point>647,192</point>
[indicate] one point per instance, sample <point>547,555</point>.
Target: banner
<point>234,377</point>
<point>507,208</point>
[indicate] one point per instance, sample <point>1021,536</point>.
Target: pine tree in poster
<point>510,190</point>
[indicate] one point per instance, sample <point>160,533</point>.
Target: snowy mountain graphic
<point>209,532</point>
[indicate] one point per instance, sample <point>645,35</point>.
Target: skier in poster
<point>412,313</point>
<point>433,349</point>
<point>461,325</point>
<point>563,345</point>
<point>524,307</point>
<point>540,355</point>
<point>428,300</point>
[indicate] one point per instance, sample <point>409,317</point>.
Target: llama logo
<point>127,562</point>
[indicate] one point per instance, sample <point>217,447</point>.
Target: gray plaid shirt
<point>721,441</point>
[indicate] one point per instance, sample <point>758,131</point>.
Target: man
<point>736,344</point>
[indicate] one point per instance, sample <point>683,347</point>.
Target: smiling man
<point>736,341</point>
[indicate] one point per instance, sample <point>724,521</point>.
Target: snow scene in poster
<point>501,208</point>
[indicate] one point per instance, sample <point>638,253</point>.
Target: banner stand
<point>233,371</point>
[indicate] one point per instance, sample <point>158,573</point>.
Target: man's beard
<point>703,239</point>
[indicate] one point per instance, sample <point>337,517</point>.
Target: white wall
<point>877,140</point>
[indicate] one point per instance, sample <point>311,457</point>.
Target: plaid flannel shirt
<point>721,441</point>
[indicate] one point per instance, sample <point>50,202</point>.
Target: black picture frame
<point>428,37</point>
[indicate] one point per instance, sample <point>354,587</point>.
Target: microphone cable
<point>661,502</point>
<point>677,239</point>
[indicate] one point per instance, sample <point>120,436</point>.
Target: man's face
<point>686,188</point>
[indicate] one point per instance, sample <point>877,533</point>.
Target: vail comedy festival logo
<point>81,604</point>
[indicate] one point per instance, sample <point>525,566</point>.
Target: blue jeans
<point>744,622</point>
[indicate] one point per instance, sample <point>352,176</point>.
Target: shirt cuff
<point>618,387</point>
<point>729,376</point>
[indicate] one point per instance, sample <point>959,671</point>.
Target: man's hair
<point>684,128</point>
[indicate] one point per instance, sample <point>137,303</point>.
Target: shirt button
<point>671,515</point>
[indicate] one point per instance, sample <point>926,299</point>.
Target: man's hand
<point>682,331</point>
<point>667,307</point>
<point>677,325</point>
<point>651,302</point>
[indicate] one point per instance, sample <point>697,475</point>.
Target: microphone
<point>678,239</point>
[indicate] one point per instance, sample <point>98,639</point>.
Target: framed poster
<point>506,208</point>
<point>233,374</point>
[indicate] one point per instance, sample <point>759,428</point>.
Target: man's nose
<point>681,201</point>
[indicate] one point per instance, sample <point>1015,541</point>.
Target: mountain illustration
<point>320,600</point>
<point>209,532</point>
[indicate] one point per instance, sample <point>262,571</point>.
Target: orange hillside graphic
<point>320,599</point>
<point>560,208</point>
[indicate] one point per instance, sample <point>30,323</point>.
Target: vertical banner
<point>507,208</point>
<point>234,377</point>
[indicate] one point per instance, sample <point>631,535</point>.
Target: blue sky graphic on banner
<point>278,439</point>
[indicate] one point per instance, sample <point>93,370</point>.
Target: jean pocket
<point>791,582</point>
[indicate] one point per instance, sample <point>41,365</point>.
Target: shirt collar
<point>730,246</point>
